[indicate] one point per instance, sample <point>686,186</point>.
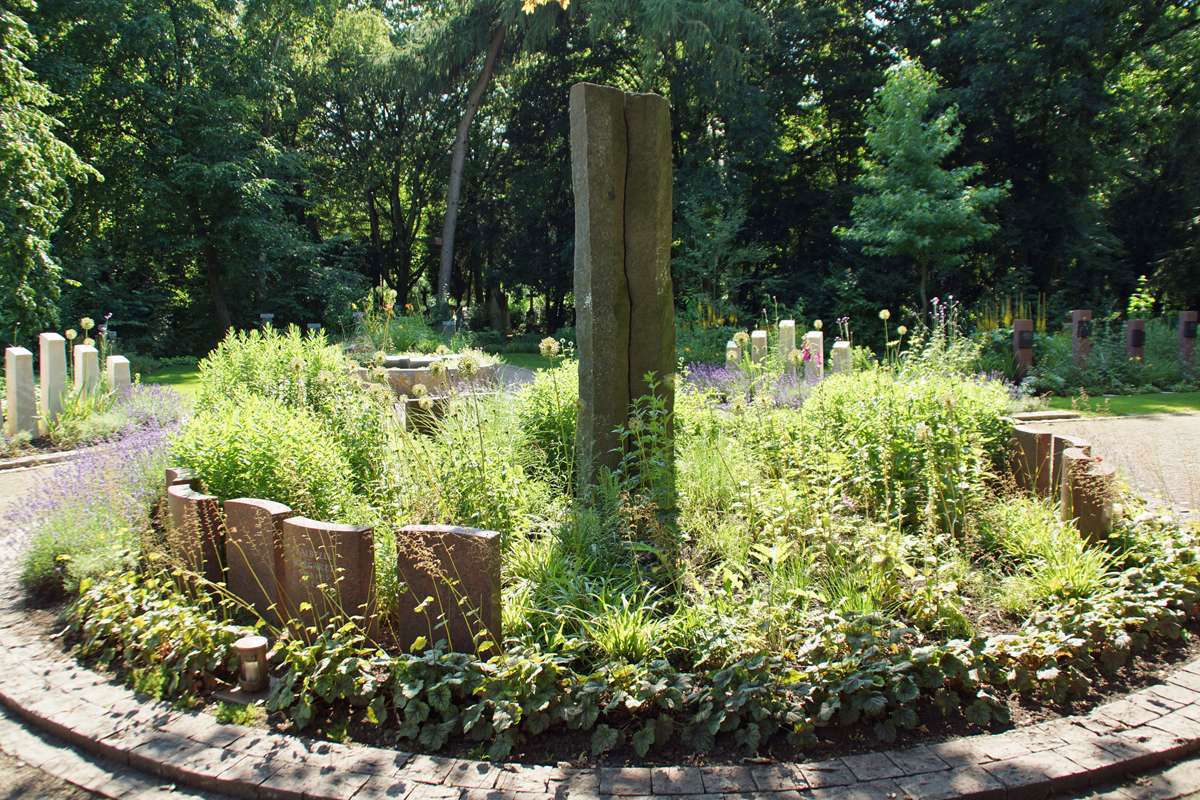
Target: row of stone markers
<point>811,353</point>
<point>1052,464</point>
<point>300,572</point>
<point>25,415</point>
<point>1081,338</point>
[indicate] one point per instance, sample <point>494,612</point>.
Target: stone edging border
<point>56,457</point>
<point>43,685</point>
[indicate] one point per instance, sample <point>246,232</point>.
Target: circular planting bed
<point>810,599</point>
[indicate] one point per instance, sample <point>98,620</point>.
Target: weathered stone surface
<point>814,364</point>
<point>179,475</point>
<point>1022,341</point>
<point>254,553</point>
<point>459,568</point>
<point>1187,334</point>
<point>648,245</point>
<point>1087,492</point>
<point>758,346</point>
<point>329,566</point>
<point>117,372</point>
<point>1032,462</point>
<point>20,415</point>
<point>1058,445</point>
<point>599,157</point>
<point>52,364</point>
<point>1081,334</point>
<point>87,367</point>
<point>197,534</point>
<point>841,358</point>
<point>1135,338</point>
<point>787,342</point>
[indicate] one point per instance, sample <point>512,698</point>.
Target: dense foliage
<point>282,156</point>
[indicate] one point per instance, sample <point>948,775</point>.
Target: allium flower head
<point>884,314</point>
<point>442,350</point>
<point>89,341</point>
<point>419,390</point>
<point>817,324</point>
<point>549,347</point>
<point>742,338</point>
<point>902,330</point>
<point>467,366</point>
<point>87,323</point>
<point>426,403</point>
<point>70,334</point>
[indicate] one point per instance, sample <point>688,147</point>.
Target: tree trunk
<point>457,161</point>
<point>212,272</point>
<point>924,287</point>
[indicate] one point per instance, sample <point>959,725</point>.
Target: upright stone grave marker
<point>117,370</point>
<point>1059,444</point>
<point>197,534</point>
<point>1033,463</point>
<point>625,326</point>
<point>450,589</point>
<point>733,354</point>
<point>1135,338</point>
<point>841,358</point>
<point>21,415</point>
<point>1087,491</point>
<point>52,364</point>
<point>254,553</point>
<point>328,566</point>
<point>1081,335</point>
<point>787,344</point>
<point>87,367</point>
<point>1187,334</point>
<point>1022,341</point>
<point>758,346</point>
<point>814,364</point>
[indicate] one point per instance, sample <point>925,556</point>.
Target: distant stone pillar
<point>1022,342</point>
<point>624,303</point>
<point>814,366</point>
<point>1187,334</point>
<point>758,346</point>
<point>787,343</point>
<point>52,365</point>
<point>1081,335</point>
<point>18,388</point>
<point>87,367</point>
<point>733,354</point>
<point>841,358</point>
<point>1135,338</point>
<point>117,372</point>
<point>1088,489</point>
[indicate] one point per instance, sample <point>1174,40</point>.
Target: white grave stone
<point>814,365</point>
<point>52,364</point>
<point>18,382</point>
<point>87,367</point>
<point>841,359</point>
<point>758,346</point>
<point>733,354</point>
<point>117,369</point>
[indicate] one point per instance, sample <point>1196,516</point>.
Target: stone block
<point>1135,338</point>
<point>787,342</point>
<point>52,364</point>
<point>733,354</point>
<point>814,361</point>
<point>329,566</point>
<point>1081,335</point>
<point>254,553</point>
<point>1088,489</point>
<point>1022,341</point>
<point>1187,334</point>
<point>1058,445</point>
<point>599,159</point>
<point>758,346</point>
<point>179,476</point>
<point>197,534</point>
<point>841,358</point>
<point>1032,459</point>
<point>20,416</point>
<point>117,371</point>
<point>450,590</point>
<point>87,367</point>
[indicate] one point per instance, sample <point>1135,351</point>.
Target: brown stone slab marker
<point>178,476</point>
<point>1081,335</point>
<point>1135,338</point>
<point>459,568</point>
<point>197,534</point>
<point>254,553</point>
<point>1032,464</point>
<point>329,566</point>
<point>1022,340</point>
<point>599,157</point>
<point>1087,492</point>
<point>1058,446</point>
<point>1187,334</point>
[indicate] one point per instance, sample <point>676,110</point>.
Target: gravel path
<point>1158,454</point>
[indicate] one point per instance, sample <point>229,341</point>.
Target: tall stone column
<point>814,367</point>
<point>1187,334</point>
<point>1135,338</point>
<point>87,367</point>
<point>19,418</point>
<point>1081,335</point>
<point>624,304</point>
<point>52,365</point>
<point>1022,341</point>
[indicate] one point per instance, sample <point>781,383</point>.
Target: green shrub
<point>246,445</point>
<point>547,415</point>
<point>1108,369</point>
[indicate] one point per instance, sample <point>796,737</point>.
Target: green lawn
<point>533,361</point>
<point>1124,405</point>
<point>185,380</point>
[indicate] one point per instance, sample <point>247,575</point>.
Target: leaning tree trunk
<point>457,161</point>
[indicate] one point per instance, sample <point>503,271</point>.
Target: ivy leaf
<point>979,713</point>
<point>644,739</point>
<point>604,739</point>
